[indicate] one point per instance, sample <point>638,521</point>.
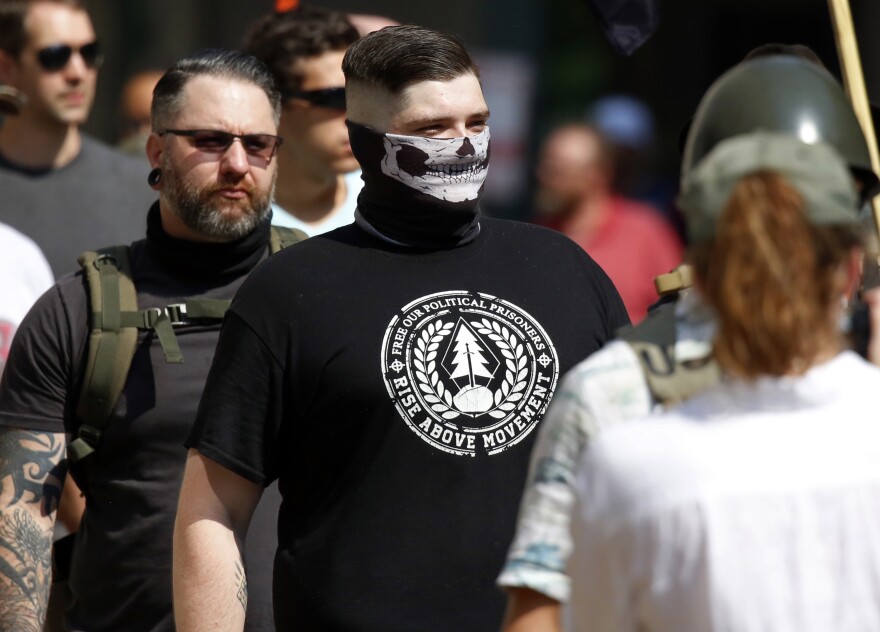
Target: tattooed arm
<point>32,472</point>
<point>215,509</point>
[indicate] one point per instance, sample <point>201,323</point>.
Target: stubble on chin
<point>207,212</point>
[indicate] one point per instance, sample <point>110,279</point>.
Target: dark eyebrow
<point>427,121</point>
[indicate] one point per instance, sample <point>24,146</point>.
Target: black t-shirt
<point>121,573</point>
<point>394,395</point>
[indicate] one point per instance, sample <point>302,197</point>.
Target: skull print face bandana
<point>420,192</point>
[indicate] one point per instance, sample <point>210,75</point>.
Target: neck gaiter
<point>420,192</point>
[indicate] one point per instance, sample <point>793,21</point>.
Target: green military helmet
<point>780,93</point>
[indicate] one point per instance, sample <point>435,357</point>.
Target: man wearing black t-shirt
<point>390,374</point>
<point>214,118</point>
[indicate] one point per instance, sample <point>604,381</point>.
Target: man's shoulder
<point>301,262</point>
<point>611,384</point>
<point>533,239</point>
<point>98,154</point>
<point>512,228</point>
<point>532,245</point>
<point>63,309</point>
<point>95,163</point>
<point>72,291</point>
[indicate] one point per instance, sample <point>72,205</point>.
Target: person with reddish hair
<point>753,505</point>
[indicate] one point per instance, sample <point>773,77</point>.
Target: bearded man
<point>212,149</point>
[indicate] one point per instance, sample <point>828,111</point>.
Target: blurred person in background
<point>667,358</point>
<point>628,125</point>
<point>134,111</point>
<point>366,23</point>
<point>753,505</point>
<point>66,191</point>
<point>576,196</point>
<point>318,176</point>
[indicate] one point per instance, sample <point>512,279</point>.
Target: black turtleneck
<point>204,260</point>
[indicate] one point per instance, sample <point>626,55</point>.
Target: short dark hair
<point>282,40</point>
<point>13,13</point>
<point>211,62</point>
<point>398,56</point>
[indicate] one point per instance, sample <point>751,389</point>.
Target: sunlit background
<point>542,63</point>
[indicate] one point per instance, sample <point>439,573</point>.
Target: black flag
<point>627,23</point>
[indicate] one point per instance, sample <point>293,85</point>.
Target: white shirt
<point>607,388</point>
<point>24,276</point>
<point>342,216</point>
<point>751,507</point>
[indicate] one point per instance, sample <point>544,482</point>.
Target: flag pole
<point>854,84</point>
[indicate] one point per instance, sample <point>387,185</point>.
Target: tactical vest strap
<point>670,381</point>
<point>115,320</point>
<point>111,344</point>
<point>281,237</point>
<point>201,308</point>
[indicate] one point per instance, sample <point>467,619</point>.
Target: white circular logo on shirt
<point>468,372</point>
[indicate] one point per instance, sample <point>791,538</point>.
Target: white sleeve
<point>26,274</point>
<point>604,389</point>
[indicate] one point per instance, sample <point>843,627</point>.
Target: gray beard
<point>200,211</point>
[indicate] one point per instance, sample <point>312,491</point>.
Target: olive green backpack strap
<point>669,380</point>
<point>115,321</point>
<point>111,343</point>
<point>281,237</point>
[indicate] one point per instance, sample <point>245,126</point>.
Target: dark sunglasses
<point>216,142</point>
<point>54,58</point>
<point>327,98</point>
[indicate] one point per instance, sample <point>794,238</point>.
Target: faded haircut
<point>398,56</point>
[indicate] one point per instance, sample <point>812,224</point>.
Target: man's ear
<point>853,271</point>
<point>154,150</point>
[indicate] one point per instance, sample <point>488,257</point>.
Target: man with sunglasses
<point>51,174</point>
<point>318,177</point>
<point>213,151</point>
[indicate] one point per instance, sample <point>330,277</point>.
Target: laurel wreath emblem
<point>439,398</point>
<point>436,395</point>
<point>516,372</point>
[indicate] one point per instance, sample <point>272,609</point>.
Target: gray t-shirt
<point>99,199</point>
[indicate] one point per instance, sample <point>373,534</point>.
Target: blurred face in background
<point>571,169</point>
<point>135,102</point>
<point>57,93</point>
<point>314,131</point>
